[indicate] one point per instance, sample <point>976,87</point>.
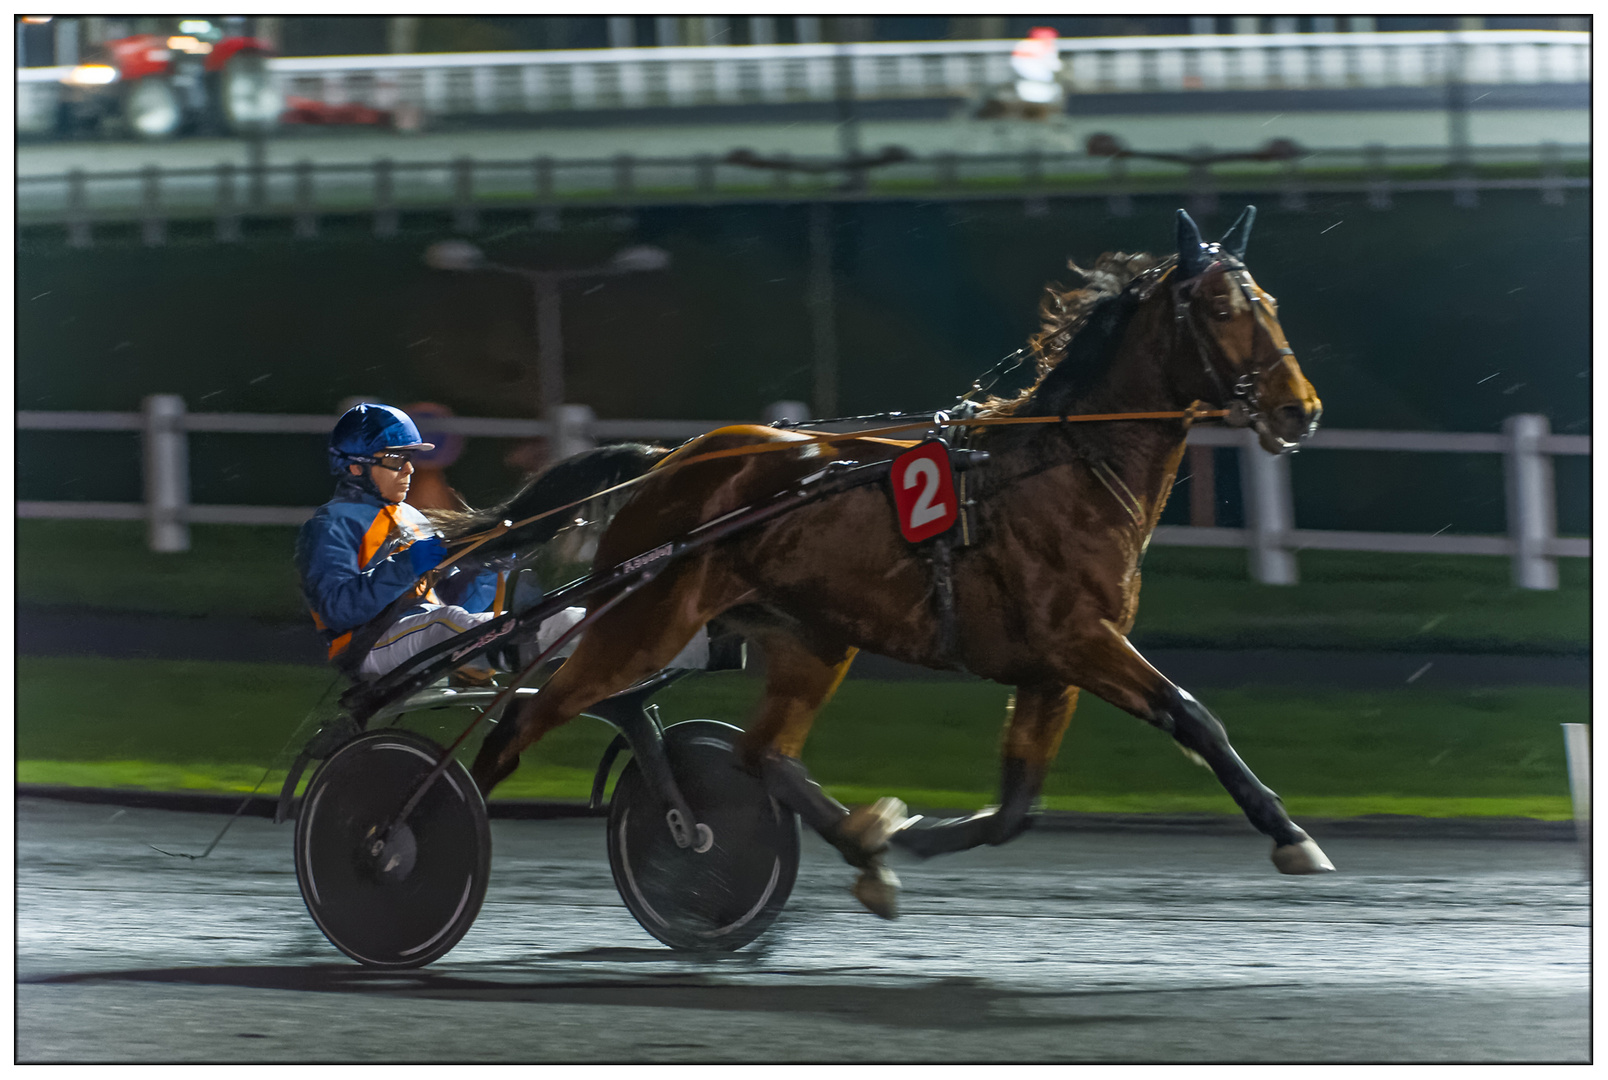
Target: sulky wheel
<point>721,898</point>
<point>407,904</point>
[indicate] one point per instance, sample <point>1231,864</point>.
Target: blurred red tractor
<point>198,80</point>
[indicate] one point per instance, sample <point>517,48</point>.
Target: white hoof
<point>1303,858</point>
<point>878,889</point>
<point>871,826</point>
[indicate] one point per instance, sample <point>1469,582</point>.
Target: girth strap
<point>943,580</point>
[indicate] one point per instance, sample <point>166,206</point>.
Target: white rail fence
<point>1270,535</point>
<point>587,79</point>
<point>307,193</point>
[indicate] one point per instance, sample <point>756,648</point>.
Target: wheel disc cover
<point>402,906</point>
<point>722,898</point>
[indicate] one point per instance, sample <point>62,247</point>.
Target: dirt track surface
<point>1063,946</point>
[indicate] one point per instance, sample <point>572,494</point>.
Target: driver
<point>366,548</point>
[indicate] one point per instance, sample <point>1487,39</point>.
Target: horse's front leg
<point>1113,669</point>
<point>1038,717</point>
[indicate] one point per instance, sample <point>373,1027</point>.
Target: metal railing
<point>588,79</point>
<point>1269,535</point>
<point>466,188</point>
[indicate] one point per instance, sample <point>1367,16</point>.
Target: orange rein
<point>816,438</point>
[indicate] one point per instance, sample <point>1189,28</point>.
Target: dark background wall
<point>1421,317</point>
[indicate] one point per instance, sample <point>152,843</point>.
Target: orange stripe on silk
<point>379,531</point>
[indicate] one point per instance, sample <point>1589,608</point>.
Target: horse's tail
<point>572,480</point>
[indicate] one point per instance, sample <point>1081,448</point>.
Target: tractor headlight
<point>91,75</point>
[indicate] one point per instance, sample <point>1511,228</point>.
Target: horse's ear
<point>1191,250</point>
<point>1239,233</point>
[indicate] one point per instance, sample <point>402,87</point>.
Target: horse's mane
<point>1080,327</point>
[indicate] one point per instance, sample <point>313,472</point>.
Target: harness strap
<point>1191,414</point>
<point>943,580</point>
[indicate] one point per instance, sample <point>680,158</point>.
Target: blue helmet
<point>366,430</point>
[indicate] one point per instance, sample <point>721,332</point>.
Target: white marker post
<point>1577,746</point>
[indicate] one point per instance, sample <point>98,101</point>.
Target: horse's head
<point>1230,326</point>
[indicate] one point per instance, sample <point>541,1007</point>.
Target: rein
<point>815,438</point>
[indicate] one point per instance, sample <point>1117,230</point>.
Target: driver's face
<point>391,484</point>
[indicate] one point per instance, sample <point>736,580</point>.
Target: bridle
<point>1242,396</point>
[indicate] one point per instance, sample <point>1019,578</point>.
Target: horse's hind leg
<point>1038,718</point>
<point>623,647</point>
<point>1116,672</point>
<point>799,681</point>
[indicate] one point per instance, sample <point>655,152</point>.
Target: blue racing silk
<point>351,562</point>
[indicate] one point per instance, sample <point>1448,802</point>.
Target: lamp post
<point>823,317</point>
<point>460,255</point>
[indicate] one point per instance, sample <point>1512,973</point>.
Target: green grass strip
<point>1191,596</point>
<point>574,785</point>
<point>213,726</point>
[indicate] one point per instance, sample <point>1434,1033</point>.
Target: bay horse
<point>1043,598</point>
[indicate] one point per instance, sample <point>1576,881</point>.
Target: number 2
<point>918,471</point>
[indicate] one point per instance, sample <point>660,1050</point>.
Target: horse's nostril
<point>1297,418</point>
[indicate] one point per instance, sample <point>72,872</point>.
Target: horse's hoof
<point>878,890</point>
<point>1303,858</point>
<point>870,827</point>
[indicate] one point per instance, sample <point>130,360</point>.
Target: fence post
<point>1036,204</point>
<point>703,172</point>
<point>1378,178</point>
<point>153,229</point>
<point>1119,203</point>
<point>306,226</point>
<point>574,434</point>
<point>227,226</point>
<point>167,473</point>
<point>544,215</point>
<point>1531,511</point>
<point>79,234</point>
<point>386,219</point>
<point>1269,516</point>
<point>1293,196</point>
<point>1577,749</point>
<point>465,216</point>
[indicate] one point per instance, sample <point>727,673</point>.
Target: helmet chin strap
<point>363,479</point>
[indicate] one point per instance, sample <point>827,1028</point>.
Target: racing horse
<point>1041,600</point>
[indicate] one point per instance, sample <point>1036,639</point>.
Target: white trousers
<point>413,634</point>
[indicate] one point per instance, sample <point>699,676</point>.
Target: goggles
<point>393,460</point>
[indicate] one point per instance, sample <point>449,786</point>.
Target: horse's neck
<point>1136,461</point>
